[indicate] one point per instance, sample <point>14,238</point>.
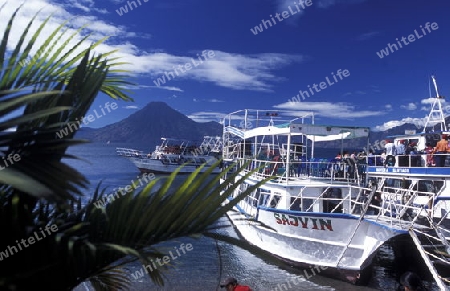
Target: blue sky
<point>267,69</point>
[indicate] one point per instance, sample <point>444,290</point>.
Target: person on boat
<point>389,148</point>
<point>346,155</point>
<point>411,151</point>
<point>382,158</point>
<point>430,158</point>
<point>441,150</point>
<point>376,201</point>
<point>410,281</point>
<point>400,151</point>
<point>370,158</point>
<point>349,165</point>
<point>390,153</point>
<point>231,284</point>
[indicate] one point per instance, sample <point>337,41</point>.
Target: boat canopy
<point>312,131</point>
<point>329,133</point>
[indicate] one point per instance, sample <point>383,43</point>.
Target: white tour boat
<point>333,213</point>
<point>173,153</point>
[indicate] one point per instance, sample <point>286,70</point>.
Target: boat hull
<point>157,166</point>
<point>312,240</point>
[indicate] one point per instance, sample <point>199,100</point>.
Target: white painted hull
<point>157,166</point>
<point>314,239</point>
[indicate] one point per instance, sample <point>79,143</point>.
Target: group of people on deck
<point>408,155</point>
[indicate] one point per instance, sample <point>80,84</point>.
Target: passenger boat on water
<point>328,212</point>
<point>172,153</point>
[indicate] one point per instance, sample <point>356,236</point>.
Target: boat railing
<point>402,206</point>
<point>412,160</point>
<point>339,171</point>
<point>399,208</point>
<point>339,202</point>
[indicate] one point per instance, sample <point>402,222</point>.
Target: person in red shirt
<point>231,284</point>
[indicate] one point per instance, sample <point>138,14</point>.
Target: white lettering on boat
<point>400,170</point>
<point>304,222</point>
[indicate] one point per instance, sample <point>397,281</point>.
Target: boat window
<point>296,204</point>
<point>274,201</point>
<point>257,194</point>
<point>307,204</point>
<point>430,186</point>
<point>264,198</point>
<point>332,198</point>
<point>392,184</point>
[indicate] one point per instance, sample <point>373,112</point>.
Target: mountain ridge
<point>148,125</point>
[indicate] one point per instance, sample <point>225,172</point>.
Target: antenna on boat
<point>436,114</point>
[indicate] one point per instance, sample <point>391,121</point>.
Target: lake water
<point>206,261</point>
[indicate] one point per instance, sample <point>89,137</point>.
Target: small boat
<point>172,153</point>
<point>333,213</point>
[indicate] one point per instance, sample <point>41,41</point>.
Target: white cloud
<point>231,70</point>
<point>170,88</point>
<point>288,5</point>
<point>328,3</point>
<point>418,122</point>
<point>138,87</point>
<point>368,35</point>
<point>409,106</point>
<point>337,110</point>
<point>359,92</point>
<point>213,100</point>
<point>388,107</point>
<point>235,71</point>
<point>207,116</point>
<point>84,5</point>
<point>428,102</point>
<point>131,107</point>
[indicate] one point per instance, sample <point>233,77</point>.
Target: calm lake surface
<point>208,261</point>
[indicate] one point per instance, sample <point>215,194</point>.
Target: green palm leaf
<point>40,96</point>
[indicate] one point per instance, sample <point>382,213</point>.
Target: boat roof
<point>312,131</point>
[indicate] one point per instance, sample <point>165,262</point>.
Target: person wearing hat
<point>231,284</point>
